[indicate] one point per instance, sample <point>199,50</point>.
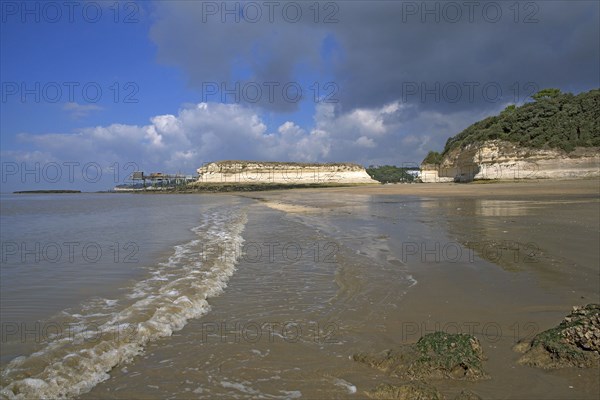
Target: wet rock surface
<point>575,342</point>
<point>437,355</point>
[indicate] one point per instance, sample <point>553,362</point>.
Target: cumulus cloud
<point>364,141</point>
<point>207,132</point>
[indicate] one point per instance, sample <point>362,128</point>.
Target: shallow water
<point>234,299</point>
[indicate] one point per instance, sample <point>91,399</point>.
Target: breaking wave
<point>104,334</point>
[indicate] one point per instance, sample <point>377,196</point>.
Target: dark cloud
<point>383,59</point>
<point>386,52</point>
<point>231,53</point>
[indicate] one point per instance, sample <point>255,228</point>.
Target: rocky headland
<point>556,136</point>
<point>503,160</point>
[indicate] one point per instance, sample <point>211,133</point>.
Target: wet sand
<point>586,187</point>
<point>379,267</point>
<point>551,263</point>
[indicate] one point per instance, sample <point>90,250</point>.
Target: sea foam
<point>176,291</point>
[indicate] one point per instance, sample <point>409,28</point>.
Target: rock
<point>408,391</point>
<point>436,355</point>
<point>455,356</point>
<point>571,344</point>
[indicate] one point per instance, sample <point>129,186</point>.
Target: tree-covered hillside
<point>552,120</point>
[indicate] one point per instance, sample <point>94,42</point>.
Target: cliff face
<point>501,160</point>
<point>254,172</point>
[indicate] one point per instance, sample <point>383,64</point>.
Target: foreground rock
<point>575,342</point>
<point>437,355</point>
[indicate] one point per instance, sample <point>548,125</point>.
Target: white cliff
<point>259,172</point>
<point>501,160</point>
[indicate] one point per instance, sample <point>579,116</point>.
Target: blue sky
<point>393,80</point>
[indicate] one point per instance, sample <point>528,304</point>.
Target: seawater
<point>309,290</point>
<point>87,281</point>
<point>195,295</point>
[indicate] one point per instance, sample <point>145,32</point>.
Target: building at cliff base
<point>259,172</point>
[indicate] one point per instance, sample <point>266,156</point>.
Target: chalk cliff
<point>502,160</point>
<point>554,136</point>
<point>259,172</point>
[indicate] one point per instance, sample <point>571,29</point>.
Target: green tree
<point>559,120</point>
<point>433,157</point>
<point>549,93</point>
<point>390,174</point>
<point>509,108</point>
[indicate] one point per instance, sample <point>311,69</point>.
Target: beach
<point>284,287</point>
<point>540,240</point>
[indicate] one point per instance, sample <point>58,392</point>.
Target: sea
<point>177,296</point>
<point>112,295</point>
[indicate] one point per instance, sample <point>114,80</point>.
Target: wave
<point>102,335</point>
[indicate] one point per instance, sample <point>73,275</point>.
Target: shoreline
<point>548,186</point>
<point>499,188</point>
<point>476,188</point>
<point>500,301</point>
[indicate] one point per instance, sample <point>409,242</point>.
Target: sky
<point>93,90</point>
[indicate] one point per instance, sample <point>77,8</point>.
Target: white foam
<point>412,280</point>
<point>345,384</point>
<point>291,394</point>
<point>242,387</point>
<point>72,364</point>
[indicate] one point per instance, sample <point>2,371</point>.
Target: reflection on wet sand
<point>287,327</point>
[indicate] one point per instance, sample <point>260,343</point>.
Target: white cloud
<point>391,134</point>
<point>368,122</point>
<point>78,111</point>
<point>364,141</point>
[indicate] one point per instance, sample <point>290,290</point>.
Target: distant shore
<point>476,189</point>
<point>46,191</point>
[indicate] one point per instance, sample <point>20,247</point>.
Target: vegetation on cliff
<point>389,174</point>
<point>433,157</point>
<point>553,120</point>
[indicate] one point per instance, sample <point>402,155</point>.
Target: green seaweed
<point>459,355</point>
<point>557,347</point>
<point>435,355</point>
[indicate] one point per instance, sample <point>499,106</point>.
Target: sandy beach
<point>494,189</point>
<point>542,241</point>
<point>272,294</point>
